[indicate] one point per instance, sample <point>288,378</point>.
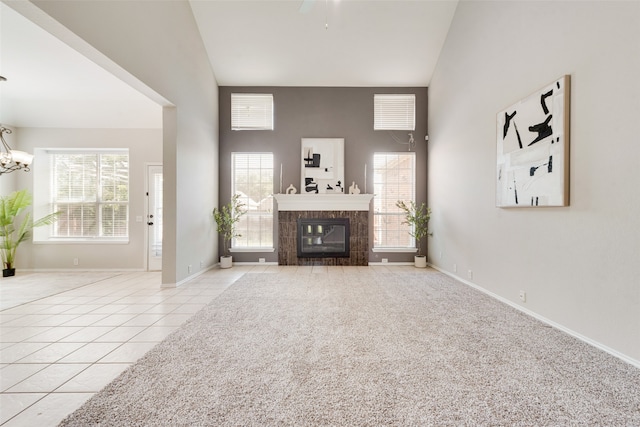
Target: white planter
<point>226,261</point>
<point>420,261</point>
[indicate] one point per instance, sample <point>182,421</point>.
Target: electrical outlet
<point>440,254</point>
<point>261,260</point>
<point>455,268</point>
<point>470,274</point>
<point>201,264</point>
<point>523,296</point>
<point>385,260</point>
<point>189,268</point>
<point>76,261</point>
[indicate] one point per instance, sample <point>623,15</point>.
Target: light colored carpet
<point>366,349</point>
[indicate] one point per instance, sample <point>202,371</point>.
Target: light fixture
<point>12,160</point>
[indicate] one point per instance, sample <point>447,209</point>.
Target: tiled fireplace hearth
<point>354,208</point>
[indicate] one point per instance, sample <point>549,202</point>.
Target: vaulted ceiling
<point>250,43</point>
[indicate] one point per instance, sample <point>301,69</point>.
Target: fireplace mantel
<point>323,202</point>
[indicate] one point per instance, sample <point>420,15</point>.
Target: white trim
<point>390,263</point>
<point>395,250</point>
<point>78,270</point>
<point>543,319</point>
<point>186,279</point>
<point>323,202</point>
<point>265,250</point>
<point>256,263</point>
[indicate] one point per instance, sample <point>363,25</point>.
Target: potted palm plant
<point>226,218</point>
<point>16,228</point>
<point>417,217</point>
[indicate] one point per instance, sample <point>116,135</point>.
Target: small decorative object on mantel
<point>353,188</point>
<point>291,189</point>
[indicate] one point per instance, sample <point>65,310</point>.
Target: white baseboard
<point>390,263</point>
<point>80,270</point>
<point>256,263</point>
<point>543,319</point>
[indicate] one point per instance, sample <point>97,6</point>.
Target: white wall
<point>145,146</point>
<point>158,42</point>
<point>578,265</point>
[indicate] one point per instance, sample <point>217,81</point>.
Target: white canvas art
<point>533,149</point>
<point>322,165</point>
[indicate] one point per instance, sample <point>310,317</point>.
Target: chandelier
<point>12,160</point>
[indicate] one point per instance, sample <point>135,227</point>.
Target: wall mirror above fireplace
<point>322,166</point>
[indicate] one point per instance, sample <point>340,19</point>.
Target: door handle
<point>150,223</point>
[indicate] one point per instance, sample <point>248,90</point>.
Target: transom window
<point>394,112</point>
<point>252,180</point>
<point>251,111</point>
<point>393,180</point>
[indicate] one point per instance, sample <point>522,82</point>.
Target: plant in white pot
<point>15,228</point>
<point>417,218</point>
<point>226,218</point>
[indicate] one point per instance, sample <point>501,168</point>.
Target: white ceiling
<point>327,43</point>
<point>250,43</point>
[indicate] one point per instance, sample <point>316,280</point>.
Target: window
<point>393,180</point>
<point>90,189</point>
<point>394,112</point>
<point>251,111</point>
<point>252,179</point>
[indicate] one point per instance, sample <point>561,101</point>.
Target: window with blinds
<point>251,111</point>
<point>90,189</point>
<point>393,179</point>
<point>252,180</point>
<point>394,112</point>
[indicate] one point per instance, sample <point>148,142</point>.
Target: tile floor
<point>64,336</point>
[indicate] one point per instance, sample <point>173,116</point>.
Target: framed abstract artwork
<point>322,166</point>
<point>533,149</point>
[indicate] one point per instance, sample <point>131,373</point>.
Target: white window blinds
<point>394,112</point>
<point>91,192</point>
<point>251,111</point>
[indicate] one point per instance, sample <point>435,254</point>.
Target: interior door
<point>154,217</point>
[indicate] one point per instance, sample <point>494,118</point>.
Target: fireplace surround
<point>355,208</point>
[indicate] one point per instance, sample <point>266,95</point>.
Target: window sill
<point>80,242</point>
<point>395,250</point>
<point>255,250</point>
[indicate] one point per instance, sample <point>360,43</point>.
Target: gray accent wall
<point>321,112</point>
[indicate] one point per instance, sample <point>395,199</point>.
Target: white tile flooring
<point>64,336</point>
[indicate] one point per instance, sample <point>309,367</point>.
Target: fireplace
<point>323,237</point>
<point>321,207</point>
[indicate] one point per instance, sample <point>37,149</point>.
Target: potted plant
<point>226,218</point>
<point>417,217</point>
<point>15,230</point>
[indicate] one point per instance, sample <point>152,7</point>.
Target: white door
<point>154,217</point>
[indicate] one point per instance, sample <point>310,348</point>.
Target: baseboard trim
<point>81,270</point>
<point>390,263</point>
<point>255,263</point>
<point>543,319</point>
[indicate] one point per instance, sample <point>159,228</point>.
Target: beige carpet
<point>366,349</point>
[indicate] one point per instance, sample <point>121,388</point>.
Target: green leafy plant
<point>417,217</point>
<point>226,218</point>
<point>16,228</point>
